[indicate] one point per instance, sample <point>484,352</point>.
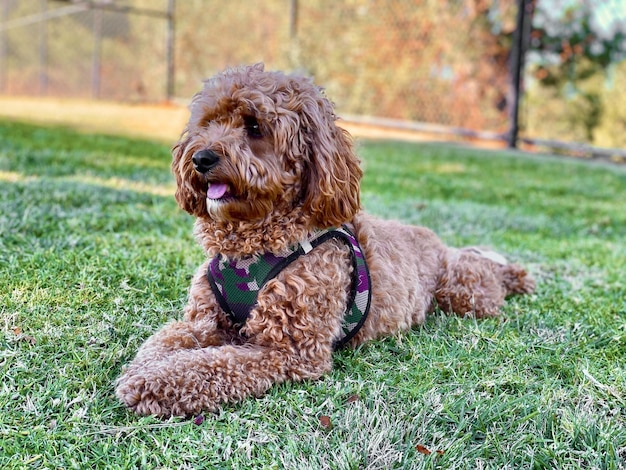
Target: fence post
<point>4,64</point>
<point>293,19</point>
<point>43,50</point>
<point>96,64</point>
<point>170,58</point>
<point>518,51</point>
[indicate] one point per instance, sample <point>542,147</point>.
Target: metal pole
<point>171,70</point>
<point>517,59</point>
<point>96,64</point>
<point>43,50</point>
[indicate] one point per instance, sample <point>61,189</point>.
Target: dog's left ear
<point>332,195</point>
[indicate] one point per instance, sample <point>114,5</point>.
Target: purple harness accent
<point>236,284</point>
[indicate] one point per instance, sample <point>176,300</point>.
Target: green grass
<point>95,256</point>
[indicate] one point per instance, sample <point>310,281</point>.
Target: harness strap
<point>236,284</point>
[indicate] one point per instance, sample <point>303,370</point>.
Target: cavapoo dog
<point>294,269</point>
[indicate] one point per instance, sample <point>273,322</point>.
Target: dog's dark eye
<point>251,125</point>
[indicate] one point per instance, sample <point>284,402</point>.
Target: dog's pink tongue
<point>216,191</point>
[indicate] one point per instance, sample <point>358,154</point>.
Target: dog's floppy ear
<point>332,195</point>
<point>184,173</point>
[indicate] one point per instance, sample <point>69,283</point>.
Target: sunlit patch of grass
<point>11,176</point>
<point>161,122</point>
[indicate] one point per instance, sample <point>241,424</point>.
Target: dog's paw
<point>517,281</point>
<point>137,394</point>
<point>149,392</point>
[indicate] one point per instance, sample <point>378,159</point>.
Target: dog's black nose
<point>204,160</point>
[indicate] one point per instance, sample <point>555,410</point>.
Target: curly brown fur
<point>282,168</point>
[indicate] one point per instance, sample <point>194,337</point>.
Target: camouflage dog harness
<point>236,284</point>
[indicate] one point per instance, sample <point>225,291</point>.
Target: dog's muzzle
<point>205,160</point>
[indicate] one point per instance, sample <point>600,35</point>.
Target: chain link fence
<point>443,64</point>
<point>109,50</point>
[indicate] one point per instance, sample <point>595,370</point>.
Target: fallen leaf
<point>440,452</point>
<point>422,450</point>
<point>17,331</point>
<point>353,398</point>
<point>325,422</point>
<point>27,339</point>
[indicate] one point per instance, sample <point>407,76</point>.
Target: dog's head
<point>264,143</point>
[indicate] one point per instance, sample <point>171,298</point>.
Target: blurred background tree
<point>575,68</point>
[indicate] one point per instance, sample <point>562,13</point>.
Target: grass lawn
<point>95,256</point>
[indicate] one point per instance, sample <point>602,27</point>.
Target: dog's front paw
<point>151,393</point>
<point>134,392</point>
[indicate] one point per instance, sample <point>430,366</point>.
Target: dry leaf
<point>325,422</point>
<point>24,338</point>
<point>426,451</point>
<point>353,398</point>
<point>422,450</point>
<point>29,339</point>
<point>17,331</point>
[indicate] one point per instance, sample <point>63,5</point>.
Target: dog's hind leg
<point>475,282</point>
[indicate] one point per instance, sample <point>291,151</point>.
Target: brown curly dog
<point>274,185</point>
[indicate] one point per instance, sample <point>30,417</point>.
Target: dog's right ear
<point>188,199</point>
